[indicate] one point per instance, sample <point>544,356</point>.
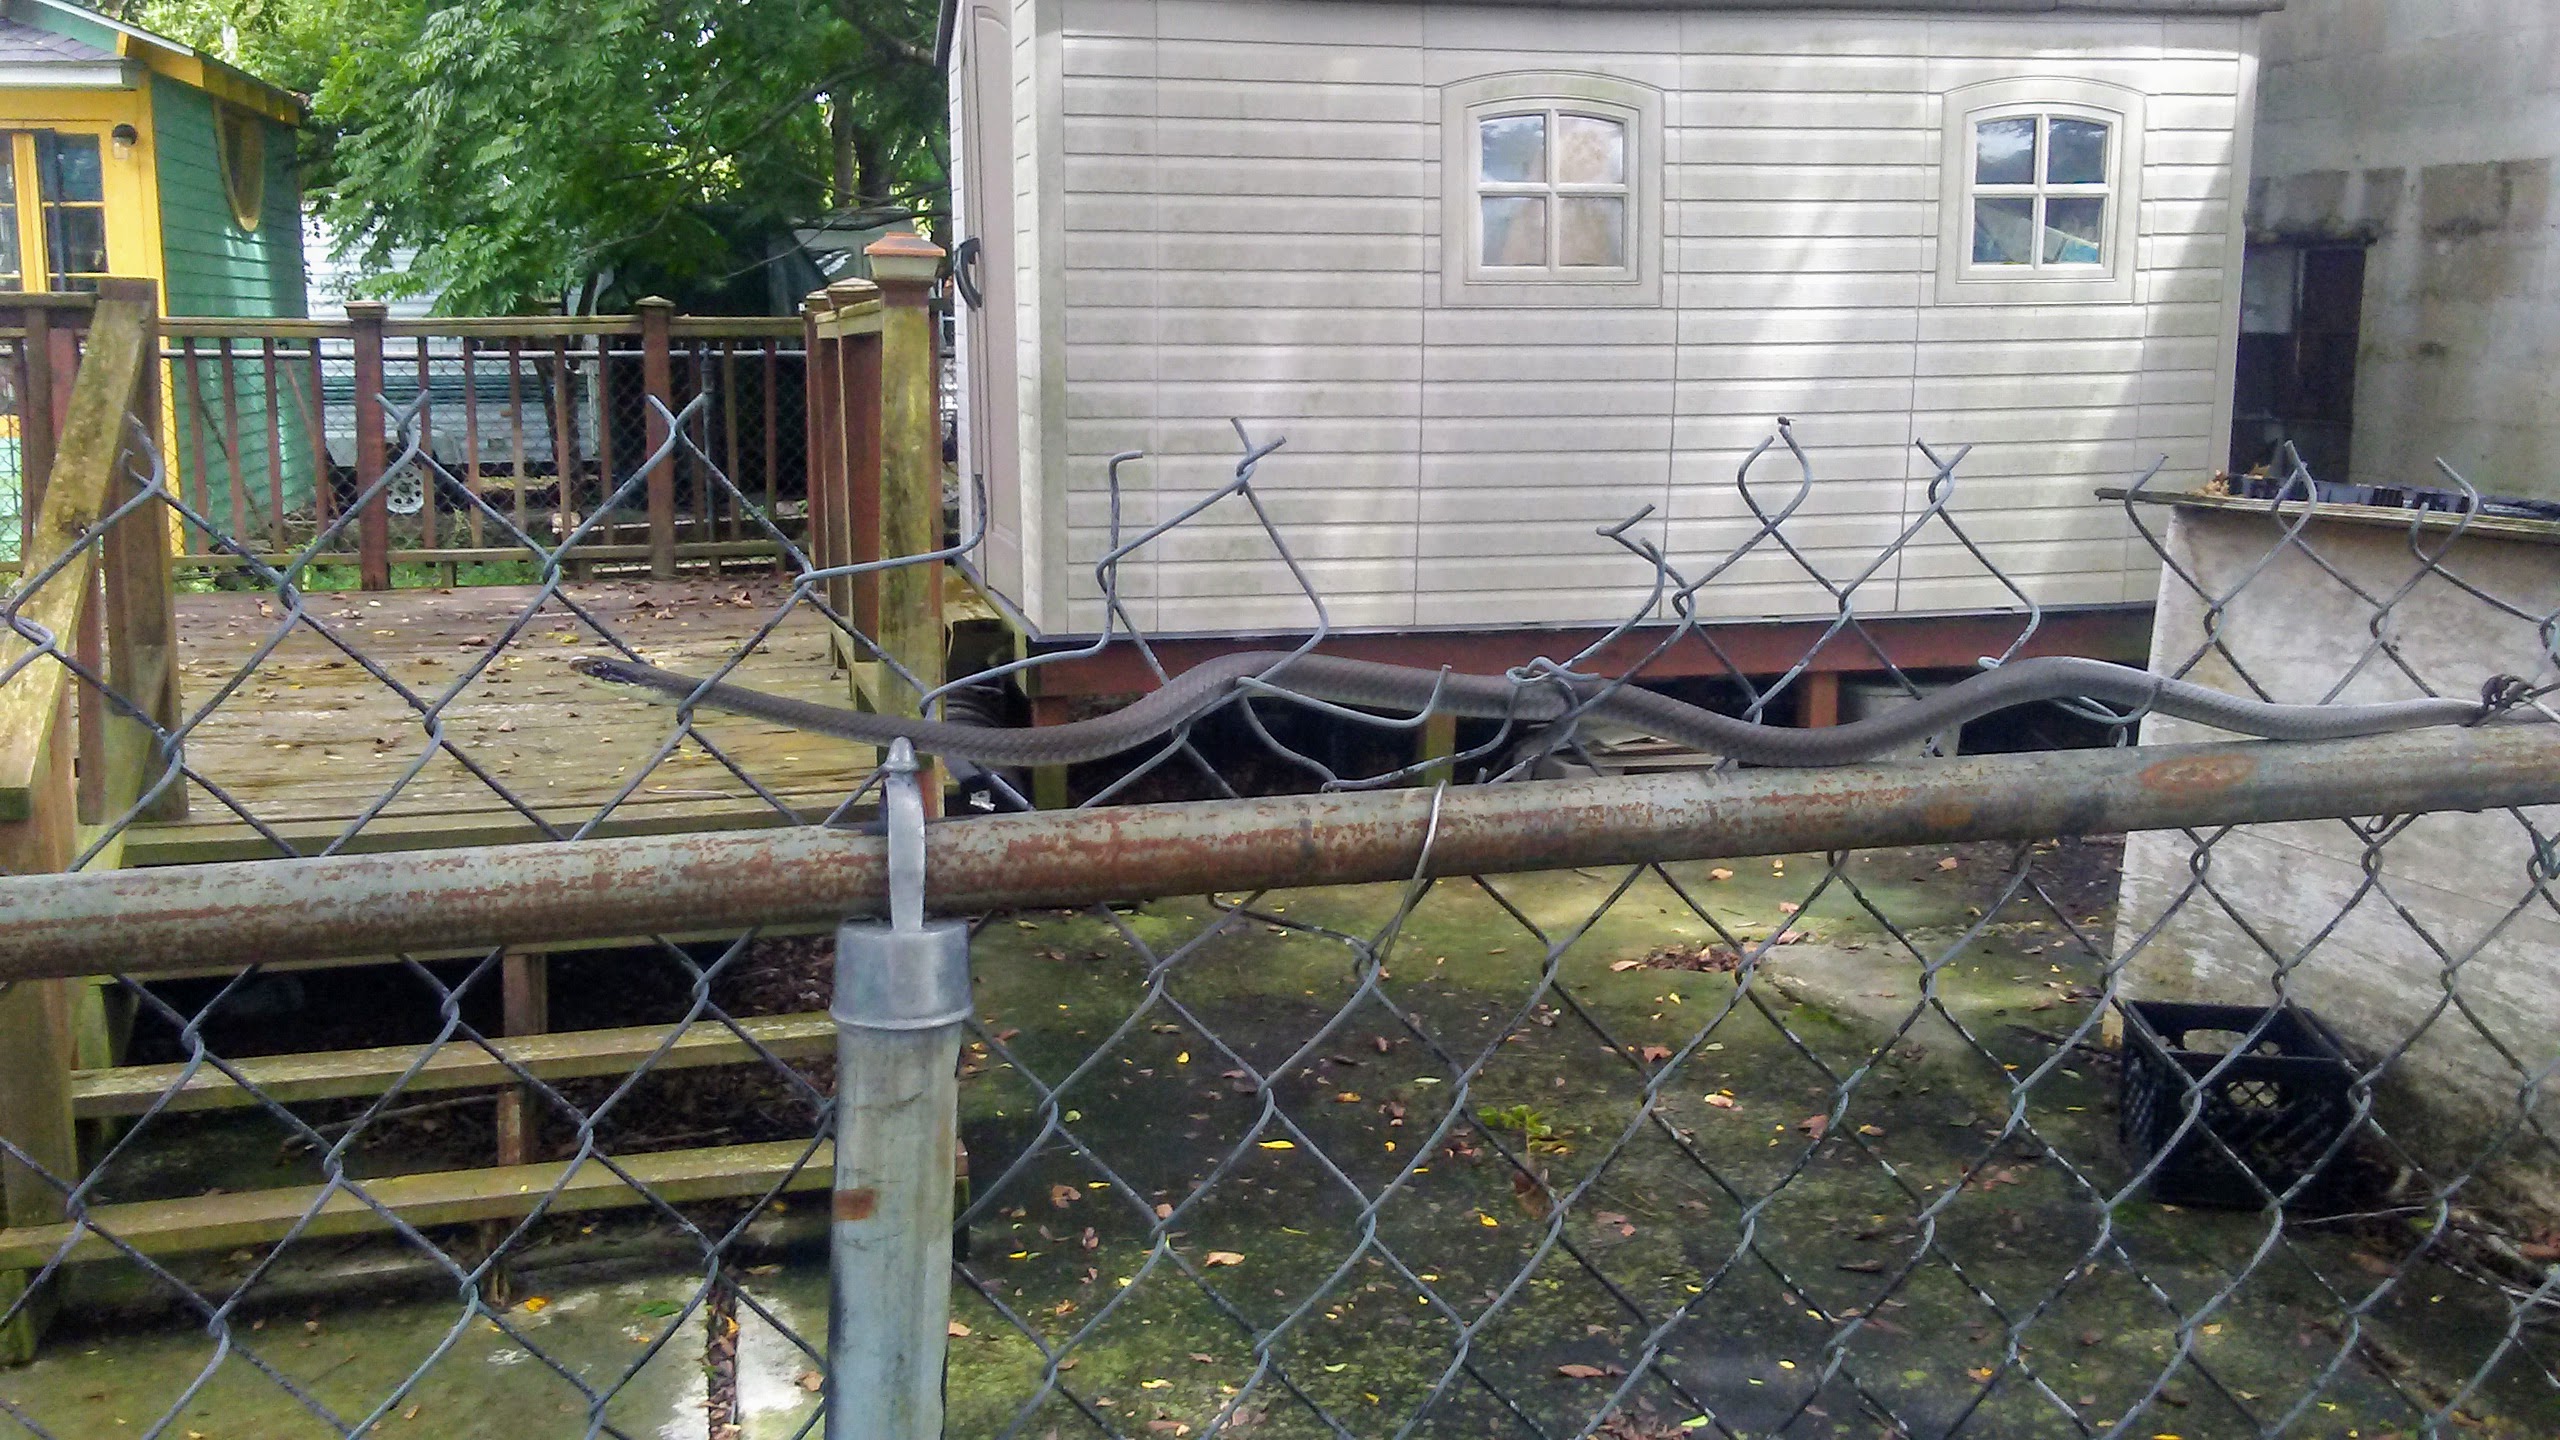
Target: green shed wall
<point>213,267</point>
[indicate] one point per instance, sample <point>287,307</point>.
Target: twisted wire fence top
<point>1806,1145</point>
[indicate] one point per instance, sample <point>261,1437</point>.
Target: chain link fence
<point>1888,1139</point>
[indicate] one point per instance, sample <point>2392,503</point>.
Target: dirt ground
<point>1560,1125</point>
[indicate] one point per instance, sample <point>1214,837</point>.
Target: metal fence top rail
<point>249,912</point>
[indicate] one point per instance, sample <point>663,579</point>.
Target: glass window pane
<point>9,245</point>
<point>1515,230</point>
<point>70,166</point>
<point>2004,231</point>
<point>77,236</point>
<point>1515,149</point>
<point>1593,231</point>
<point>2004,151</point>
<point>1590,151</point>
<point>2071,230</point>
<point>2076,153</point>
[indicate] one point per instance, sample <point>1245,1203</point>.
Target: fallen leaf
<point>535,1305</point>
<point>1982,1372</point>
<point>1719,873</point>
<point>1063,1196</point>
<point>1788,907</point>
<point>1871,1132</point>
<point>1653,1054</point>
<point>1949,863</point>
<point>811,1381</point>
<point>1588,1372</point>
<point>1722,1102</point>
<point>1623,966</point>
<point>1814,1125</point>
<point>1223,1257</point>
<point>1155,1384</point>
<point>1863,1267</point>
<point>957,1331</point>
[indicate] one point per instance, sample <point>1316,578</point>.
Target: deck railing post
<point>856,405</point>
<point>901,1002</point>
<point>39,800</point>
<point>141,609</point>
<point>658,385</point>
<point>905,267</point>
<point>373,525</point>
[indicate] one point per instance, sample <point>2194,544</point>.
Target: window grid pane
<point>1552,192</point>
<point>2040,191</point>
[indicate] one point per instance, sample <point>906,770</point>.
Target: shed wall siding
<point>213,267</point>
<point>1249,224</point>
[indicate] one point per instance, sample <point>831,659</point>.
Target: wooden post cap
<point>367,309</point>
<point>904,258</point>
<point>653,302</point>
<point>845,294</point>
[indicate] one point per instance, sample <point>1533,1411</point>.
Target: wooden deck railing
<point>276,429</point>
<point>68,757</point>
<point>89,374</point>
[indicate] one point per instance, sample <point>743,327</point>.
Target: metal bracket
<point>906,975</point>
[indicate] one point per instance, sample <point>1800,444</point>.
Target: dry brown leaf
<point>1788,907</point>
<point>1223,1257</point>
<point>1814,1125</point>
<point>1588,1372</point>
<point>1949,863</point>
<point>1722,1102</point>
<point>1719,873</point>
<point>811,1381</point>
<point>1653,1054</point>
<point>1622,966</point>
<point>957,1331</point>
<point>1063,1196</point>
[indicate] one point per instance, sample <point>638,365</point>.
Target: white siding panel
<point>1256,233</point>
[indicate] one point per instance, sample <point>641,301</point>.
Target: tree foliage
<point>518,153</point>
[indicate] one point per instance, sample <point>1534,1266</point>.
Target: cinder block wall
<point>2430,128</point>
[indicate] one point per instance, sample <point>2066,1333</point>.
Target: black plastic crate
<point>2279,1107</point>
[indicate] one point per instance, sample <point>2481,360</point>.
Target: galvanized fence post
<point>902,996</point>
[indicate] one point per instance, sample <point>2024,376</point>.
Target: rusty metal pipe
<point>145,921</point>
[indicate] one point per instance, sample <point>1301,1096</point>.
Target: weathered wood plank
<point>449,1197</point>
<point>336,1074</point>
<point>93,438</point>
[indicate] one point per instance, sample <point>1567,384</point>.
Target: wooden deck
<point>312,740</point>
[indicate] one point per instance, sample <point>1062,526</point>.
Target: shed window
<point>2039,202</point>
<point>2040,191</point>
<point>1551,192</point>
<point>240,142</point>
<point>1554,191</point>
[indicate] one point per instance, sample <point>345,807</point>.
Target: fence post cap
<point>904,258</point>
<point>653,302</point>
<point>845,293</point>
<point>368,309</point>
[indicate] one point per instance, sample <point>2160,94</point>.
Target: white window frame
<point>2111,280</point>
<point>1466,279</point>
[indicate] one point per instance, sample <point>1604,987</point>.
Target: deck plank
<point>311,740</point>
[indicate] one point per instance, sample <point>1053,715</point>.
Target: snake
<point>1545,699</point>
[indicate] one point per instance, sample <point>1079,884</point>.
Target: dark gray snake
<point>1404,689</point>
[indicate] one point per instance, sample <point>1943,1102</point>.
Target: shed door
<point>986,160</point>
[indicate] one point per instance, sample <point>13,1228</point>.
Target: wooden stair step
<point>445,1197</point>
<point>460,1065</point>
